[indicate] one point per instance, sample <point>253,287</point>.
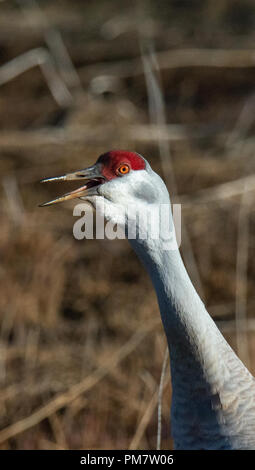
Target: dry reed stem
<point>175,59</point>
<point>45,444</point>
<point>229,326</point>
<point>101,134</point>
<point>158,116</point>
<point>15,203</point>
<point>152,405</point>
<point>58,430</point>
<point>244,122</point>
<point>35,16</point>
<point>160,396</point>
<point>238,187</point>
<point>42,58</point>
<point>144,422</point>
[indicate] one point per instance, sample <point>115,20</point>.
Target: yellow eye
<point>123,169</point>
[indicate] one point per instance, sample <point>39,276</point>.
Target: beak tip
<point>54,178</point>
<point>43,204</point>
<point>49,203</point>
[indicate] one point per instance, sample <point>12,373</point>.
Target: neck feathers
<point>203,366</point>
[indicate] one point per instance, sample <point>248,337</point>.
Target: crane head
<point>119,178</point>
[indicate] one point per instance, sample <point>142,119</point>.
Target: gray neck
<point>195,343</point>
<point>183,313</point>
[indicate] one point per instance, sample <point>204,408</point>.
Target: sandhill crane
<point>213,399</point>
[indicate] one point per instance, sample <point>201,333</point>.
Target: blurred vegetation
<point>68,307</point>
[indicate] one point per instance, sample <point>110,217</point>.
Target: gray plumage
<point>213,400</point>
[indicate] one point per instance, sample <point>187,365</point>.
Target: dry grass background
<point>81,342</point>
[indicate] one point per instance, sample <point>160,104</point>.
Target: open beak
<point>91,176</point>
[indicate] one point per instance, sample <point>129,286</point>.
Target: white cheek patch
<point>121,199</point>
<point>108,210</point>
<point>136,185</point>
